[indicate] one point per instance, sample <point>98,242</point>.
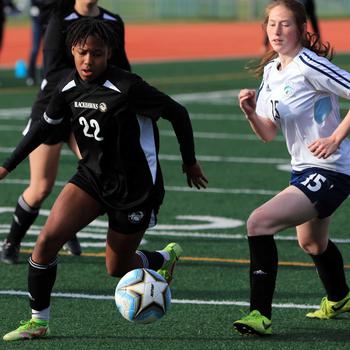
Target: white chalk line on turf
<point>201,158</point>
<point>174,301</point>
<point>170,133</point>
<point>95,233</point>
<point>172,188</point>
<point>23,113</point>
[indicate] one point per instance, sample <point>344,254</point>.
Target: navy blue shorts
<point>328,189</point>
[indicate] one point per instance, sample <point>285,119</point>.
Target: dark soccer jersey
<point>56,54</point>
<point>114,123</point>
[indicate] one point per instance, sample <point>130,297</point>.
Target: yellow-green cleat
<point>330,309</point>
<point>29,330</point>
<point>175,251</point>
<point>254,324</point>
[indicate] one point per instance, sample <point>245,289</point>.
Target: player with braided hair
<point>113,115</point>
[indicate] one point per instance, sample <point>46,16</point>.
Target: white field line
<point>23,113</point>
<point>220,136</point>
<point>99,234</point>
<point>171,188</point>
<point>203,158</point>
<point>174,301</point>
<point>170,133</point>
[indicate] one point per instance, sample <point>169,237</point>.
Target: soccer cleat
<point>167,270</point>
<point>10,253</point>
<point>29,330</point>
<point>254,324</point>
<point>73,246</point>
<point>330,309</point>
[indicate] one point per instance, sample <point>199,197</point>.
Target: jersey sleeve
<point>147,101</point>
<point>262,97</point>
<point>324,75</point>
<point>37,133</point>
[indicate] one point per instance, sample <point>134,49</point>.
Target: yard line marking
<point>218,116</point>
<point>14,113</point>
<point>11,128</point>
<point>170,133</point>
<point>172,188</point>
<point>197,258</point>
<point>221,159</point>
<point>220,136</point>
<point>247,262</point>
<point>23,113</point>
<point>12,292</point>
<point>202,158</point>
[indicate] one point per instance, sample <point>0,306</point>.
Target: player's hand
<point>323,147</point>
<point>195,176</point>
<point>247,102</point>
<point>3,172</point>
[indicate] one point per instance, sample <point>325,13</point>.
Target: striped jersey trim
<point>108,17</point>
<point>323,68</point>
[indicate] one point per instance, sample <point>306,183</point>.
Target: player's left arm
<point>326,146</point>
<point>150,102</point>
<point>326,76</point>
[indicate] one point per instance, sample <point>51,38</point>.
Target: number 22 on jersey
<point>91,129</point>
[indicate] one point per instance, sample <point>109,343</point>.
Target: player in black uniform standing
<point>113,115</point>
<point>45,159</point>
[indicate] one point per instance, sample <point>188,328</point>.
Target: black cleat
<point>10,253</point>
<point>73,246</point>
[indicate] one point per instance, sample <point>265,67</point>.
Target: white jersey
<point>302,100</point>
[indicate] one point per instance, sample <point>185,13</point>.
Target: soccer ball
<point>142,296</point>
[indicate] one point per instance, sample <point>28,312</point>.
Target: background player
<point>45,159</point>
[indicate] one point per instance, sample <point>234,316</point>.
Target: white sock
<point>165,255</point>
<point>42,315</point>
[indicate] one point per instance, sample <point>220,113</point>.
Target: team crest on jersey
<point>136,217</point>
<point>102,107</point>
<point>288,89</point>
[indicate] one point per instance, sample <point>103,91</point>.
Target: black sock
<point>330,268</point>
<point>151,260</point>
<point>23,218</point>
<point>263,273</point>
<point>41,279</point>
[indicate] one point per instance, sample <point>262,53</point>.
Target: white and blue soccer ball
<point>143,296</point>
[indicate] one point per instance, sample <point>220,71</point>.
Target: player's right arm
<point>36,135</point>
<point>264,128</point>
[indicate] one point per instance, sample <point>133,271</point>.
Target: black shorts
<point>327,189</point>
<point>127,221</point>
<point>63,130</point>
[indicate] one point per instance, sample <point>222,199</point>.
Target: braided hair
<point>80,30</point>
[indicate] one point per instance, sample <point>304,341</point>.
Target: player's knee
<point>40,191</point>
<point>46,248</point>
<point>258,224</point>
<point>312,247</point>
